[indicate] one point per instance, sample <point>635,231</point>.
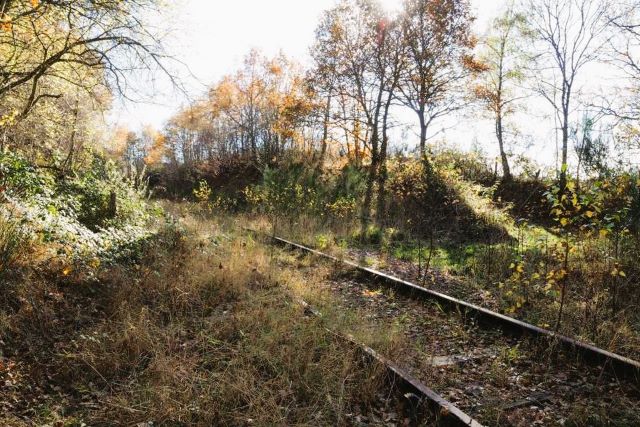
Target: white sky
<point>211,37</point>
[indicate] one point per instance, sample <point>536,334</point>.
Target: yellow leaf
<point>66,271</point>
<point>589,214</point>
<point>604,232</point>
<point>622,273</point>
<point>373,294</point>
<point>564,221</point>
<point>35,3</point>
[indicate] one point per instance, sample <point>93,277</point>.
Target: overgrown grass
<point>499,244</point>
<point>205,329</point>
<point>519,273</point>
<point>12,244</point>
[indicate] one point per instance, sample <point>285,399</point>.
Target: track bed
<point>494,378</point>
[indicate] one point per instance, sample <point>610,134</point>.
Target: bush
<point>373,235</point>
<point>471,166</point>
<point>100,197</point>
<point>286,192</point>
<point>92,217</point>
<point>419,196</point>
<point>20,178</point>
<point>349,184</point>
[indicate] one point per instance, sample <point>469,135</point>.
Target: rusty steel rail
<point>619,365</point>
<point>446,413</point>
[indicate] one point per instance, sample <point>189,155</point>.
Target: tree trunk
<point>112,209</point>
<point>506,171</point>
<point>325,134</point>
<point>382,173</point>
<point>254,145</point>
<point>371,179</point>
<point>68,163</point>
<point>373,122</point>
<point>565,144</point>
<point>423,134</point>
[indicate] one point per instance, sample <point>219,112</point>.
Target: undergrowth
<point>575,272</point>
<point>204,329</point>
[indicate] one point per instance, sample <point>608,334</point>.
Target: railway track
<point>620,365</point>
<point>421,403</point>
<point>493,368</point>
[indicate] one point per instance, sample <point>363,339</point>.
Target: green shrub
<point>88,218</point>
<point>419,196</point>
<point>287,192</point>
<point>202,192</point>
<point>349,184</point>
<point>18,177</point>
<point>392,234</point>
<point>471,166</point>
<point>372,235</point>
<point>100,197</point>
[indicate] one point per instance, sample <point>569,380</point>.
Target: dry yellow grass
<point>204,330</point>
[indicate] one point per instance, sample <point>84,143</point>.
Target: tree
<point>438,42</point>
<point>254,115</point>
<point>57,129</point>
<point>354,35</point>
<point>322,79</point>
<point>625,108</point>
<point>134,156</point>
<point>591,148</point>
<point>568,34</point>
<point>390,65</point>
<point>58,39</point>
<point>501,68</point>
<point>156,148</point>
<point>185,134</point>
<point>61,61</point>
